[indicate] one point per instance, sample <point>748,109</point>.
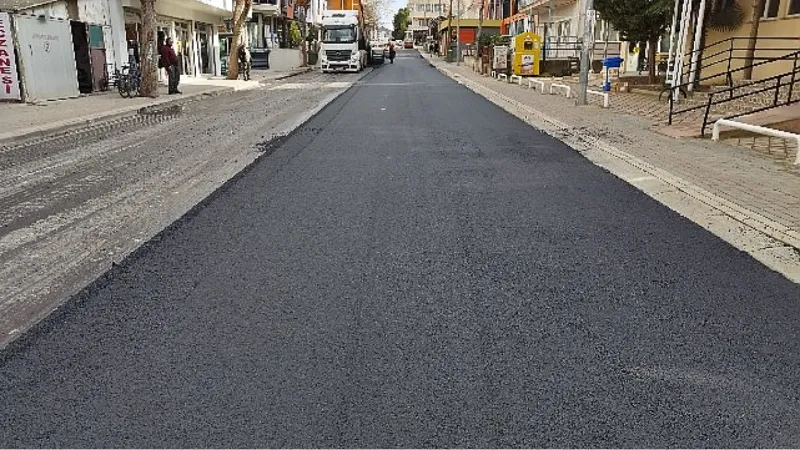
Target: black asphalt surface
<point>416,268</point>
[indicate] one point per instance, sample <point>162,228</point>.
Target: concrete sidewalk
<point>23,121</point>
<point>750,199</point>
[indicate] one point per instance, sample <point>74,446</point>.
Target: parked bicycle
<point>129,80</point>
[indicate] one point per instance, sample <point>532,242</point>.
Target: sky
<point>388,16</point>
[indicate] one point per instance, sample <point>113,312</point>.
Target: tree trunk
<point>240,10</point>
<point>758,11</point>
<point>480,25</point>
<point>449,28</point>
<point>148,52</point>
<point>640,56</point>
<point>651,61</point>
<point>303,47</point>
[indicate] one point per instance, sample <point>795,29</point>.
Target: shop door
<point>83,61</point>
<point>204,60</point>
<point>183,47</point>
<point>467,35</point>
<point>97,53</point>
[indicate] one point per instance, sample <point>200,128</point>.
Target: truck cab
<point>343,45</point>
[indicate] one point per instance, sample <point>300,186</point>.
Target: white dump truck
<point>343,44</point>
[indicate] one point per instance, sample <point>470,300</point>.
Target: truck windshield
<point>339,34</point>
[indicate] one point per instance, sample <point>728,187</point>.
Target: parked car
<point>378,55</point>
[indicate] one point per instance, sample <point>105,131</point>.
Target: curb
<point>294,74</point>
<point>71,125</point>
<point>620,163</point>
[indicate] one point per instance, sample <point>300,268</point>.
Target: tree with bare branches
<point>449,26</point>
<point>149,61</point>
<point>240,11</point>
<point>481,8</point>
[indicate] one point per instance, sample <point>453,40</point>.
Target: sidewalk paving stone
<point>760,182</point>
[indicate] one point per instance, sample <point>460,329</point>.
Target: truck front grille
<point>338,55</point>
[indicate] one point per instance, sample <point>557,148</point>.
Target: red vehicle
<point>408,43</point>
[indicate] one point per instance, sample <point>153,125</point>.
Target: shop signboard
<point>500,57</point>
<point>9,79</point>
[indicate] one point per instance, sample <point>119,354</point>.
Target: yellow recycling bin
<point>527,54</point>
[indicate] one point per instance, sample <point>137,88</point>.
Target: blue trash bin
<point>614,62</point>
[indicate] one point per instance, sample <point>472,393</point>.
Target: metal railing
<point>726,51</point>
<point>569,47</point>
<point>723,54</point>
<point>562,47</point>
<point>731,89</point>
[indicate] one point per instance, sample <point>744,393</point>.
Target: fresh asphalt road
<point>416,268</point>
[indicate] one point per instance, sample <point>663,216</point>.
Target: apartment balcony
<point>542,7</point>
<point>219,8</point>
<point>266,7</point>
<point>222,5</point>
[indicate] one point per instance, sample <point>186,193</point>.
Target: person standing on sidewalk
<point>169,59</point>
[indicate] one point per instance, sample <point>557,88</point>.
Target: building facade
<point>72,45</point>
<point>422,12</point>
<point>193,25</point>
<point>778,35</point>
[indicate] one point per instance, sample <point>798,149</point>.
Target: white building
<point>193,25</point>
<point>53,68</point>
<point>421,12</point>
<point>381,34</point>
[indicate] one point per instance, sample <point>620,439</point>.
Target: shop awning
<point>470,23</point>
<point>16,5</point>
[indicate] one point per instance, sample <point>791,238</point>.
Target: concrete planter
<point>285,59</point>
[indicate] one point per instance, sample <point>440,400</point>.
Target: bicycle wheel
<point>133,89</point>
<point>122,86</point>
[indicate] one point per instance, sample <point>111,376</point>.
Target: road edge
<point>16,340</point>
<point>769,242</point>
<point>65,126</point>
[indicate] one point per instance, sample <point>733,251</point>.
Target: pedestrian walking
<point>245,63</point>
<point>169,60</point>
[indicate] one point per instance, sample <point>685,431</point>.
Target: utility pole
<point>585,52</point>
<point>547,28</point>
<point>458,34</point>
